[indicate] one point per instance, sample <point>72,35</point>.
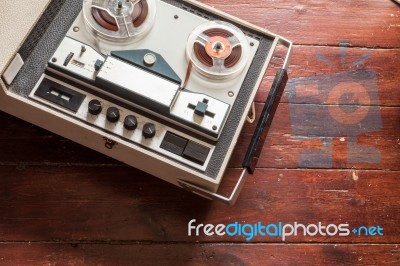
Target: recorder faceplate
<point>162,85</point>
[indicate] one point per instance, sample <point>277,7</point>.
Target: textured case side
<point>17,20</point>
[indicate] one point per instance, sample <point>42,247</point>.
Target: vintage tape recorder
<point>162,85</point>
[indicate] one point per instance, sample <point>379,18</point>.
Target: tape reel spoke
<point>234,41</point>
<point>202,39</point>
<point>218,63</point>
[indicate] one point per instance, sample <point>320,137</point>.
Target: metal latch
<point>13,68</point>
<point>109,144</point>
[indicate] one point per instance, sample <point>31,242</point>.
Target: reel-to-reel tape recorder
<point>162,85</point>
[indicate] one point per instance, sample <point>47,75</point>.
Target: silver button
<point>149,59</point>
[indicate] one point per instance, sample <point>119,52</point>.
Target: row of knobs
<point>130,121</point>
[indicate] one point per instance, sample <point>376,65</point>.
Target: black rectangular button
<point>173,143</point>
<point>196,152</point>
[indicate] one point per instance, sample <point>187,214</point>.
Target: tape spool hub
<point>119,20</point>
<point>218,49</point>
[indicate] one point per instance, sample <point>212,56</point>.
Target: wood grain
<point>307,62</point>
<point>283,147</point>
<point>63,204</point>
<point>121,203</point>
<point>362,23</point>
<point>196,254</point>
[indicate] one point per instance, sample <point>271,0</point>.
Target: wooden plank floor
<point>332,156</point>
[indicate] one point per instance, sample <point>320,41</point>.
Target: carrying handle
<point>264,123</point>
<point>271,105</point>
<point>257,142</point>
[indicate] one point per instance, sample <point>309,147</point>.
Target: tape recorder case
<point>162,85</point>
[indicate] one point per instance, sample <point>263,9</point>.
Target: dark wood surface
<point>63,204</point>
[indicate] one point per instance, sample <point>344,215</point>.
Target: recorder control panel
<point>123,123</point>
<point>147,87</point>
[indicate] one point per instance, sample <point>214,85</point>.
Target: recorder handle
<point>264,123</point>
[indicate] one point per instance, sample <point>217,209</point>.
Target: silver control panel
<point>195,111</point>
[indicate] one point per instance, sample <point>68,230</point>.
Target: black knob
<point>94,107</point>
<point>113,114</point>
<point>149,130</point>
<point>130,122</point>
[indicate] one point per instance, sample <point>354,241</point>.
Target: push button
<point>196,152</point>
<point>98,65</point>
<point>201,108</point>
<point>174,143</point>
